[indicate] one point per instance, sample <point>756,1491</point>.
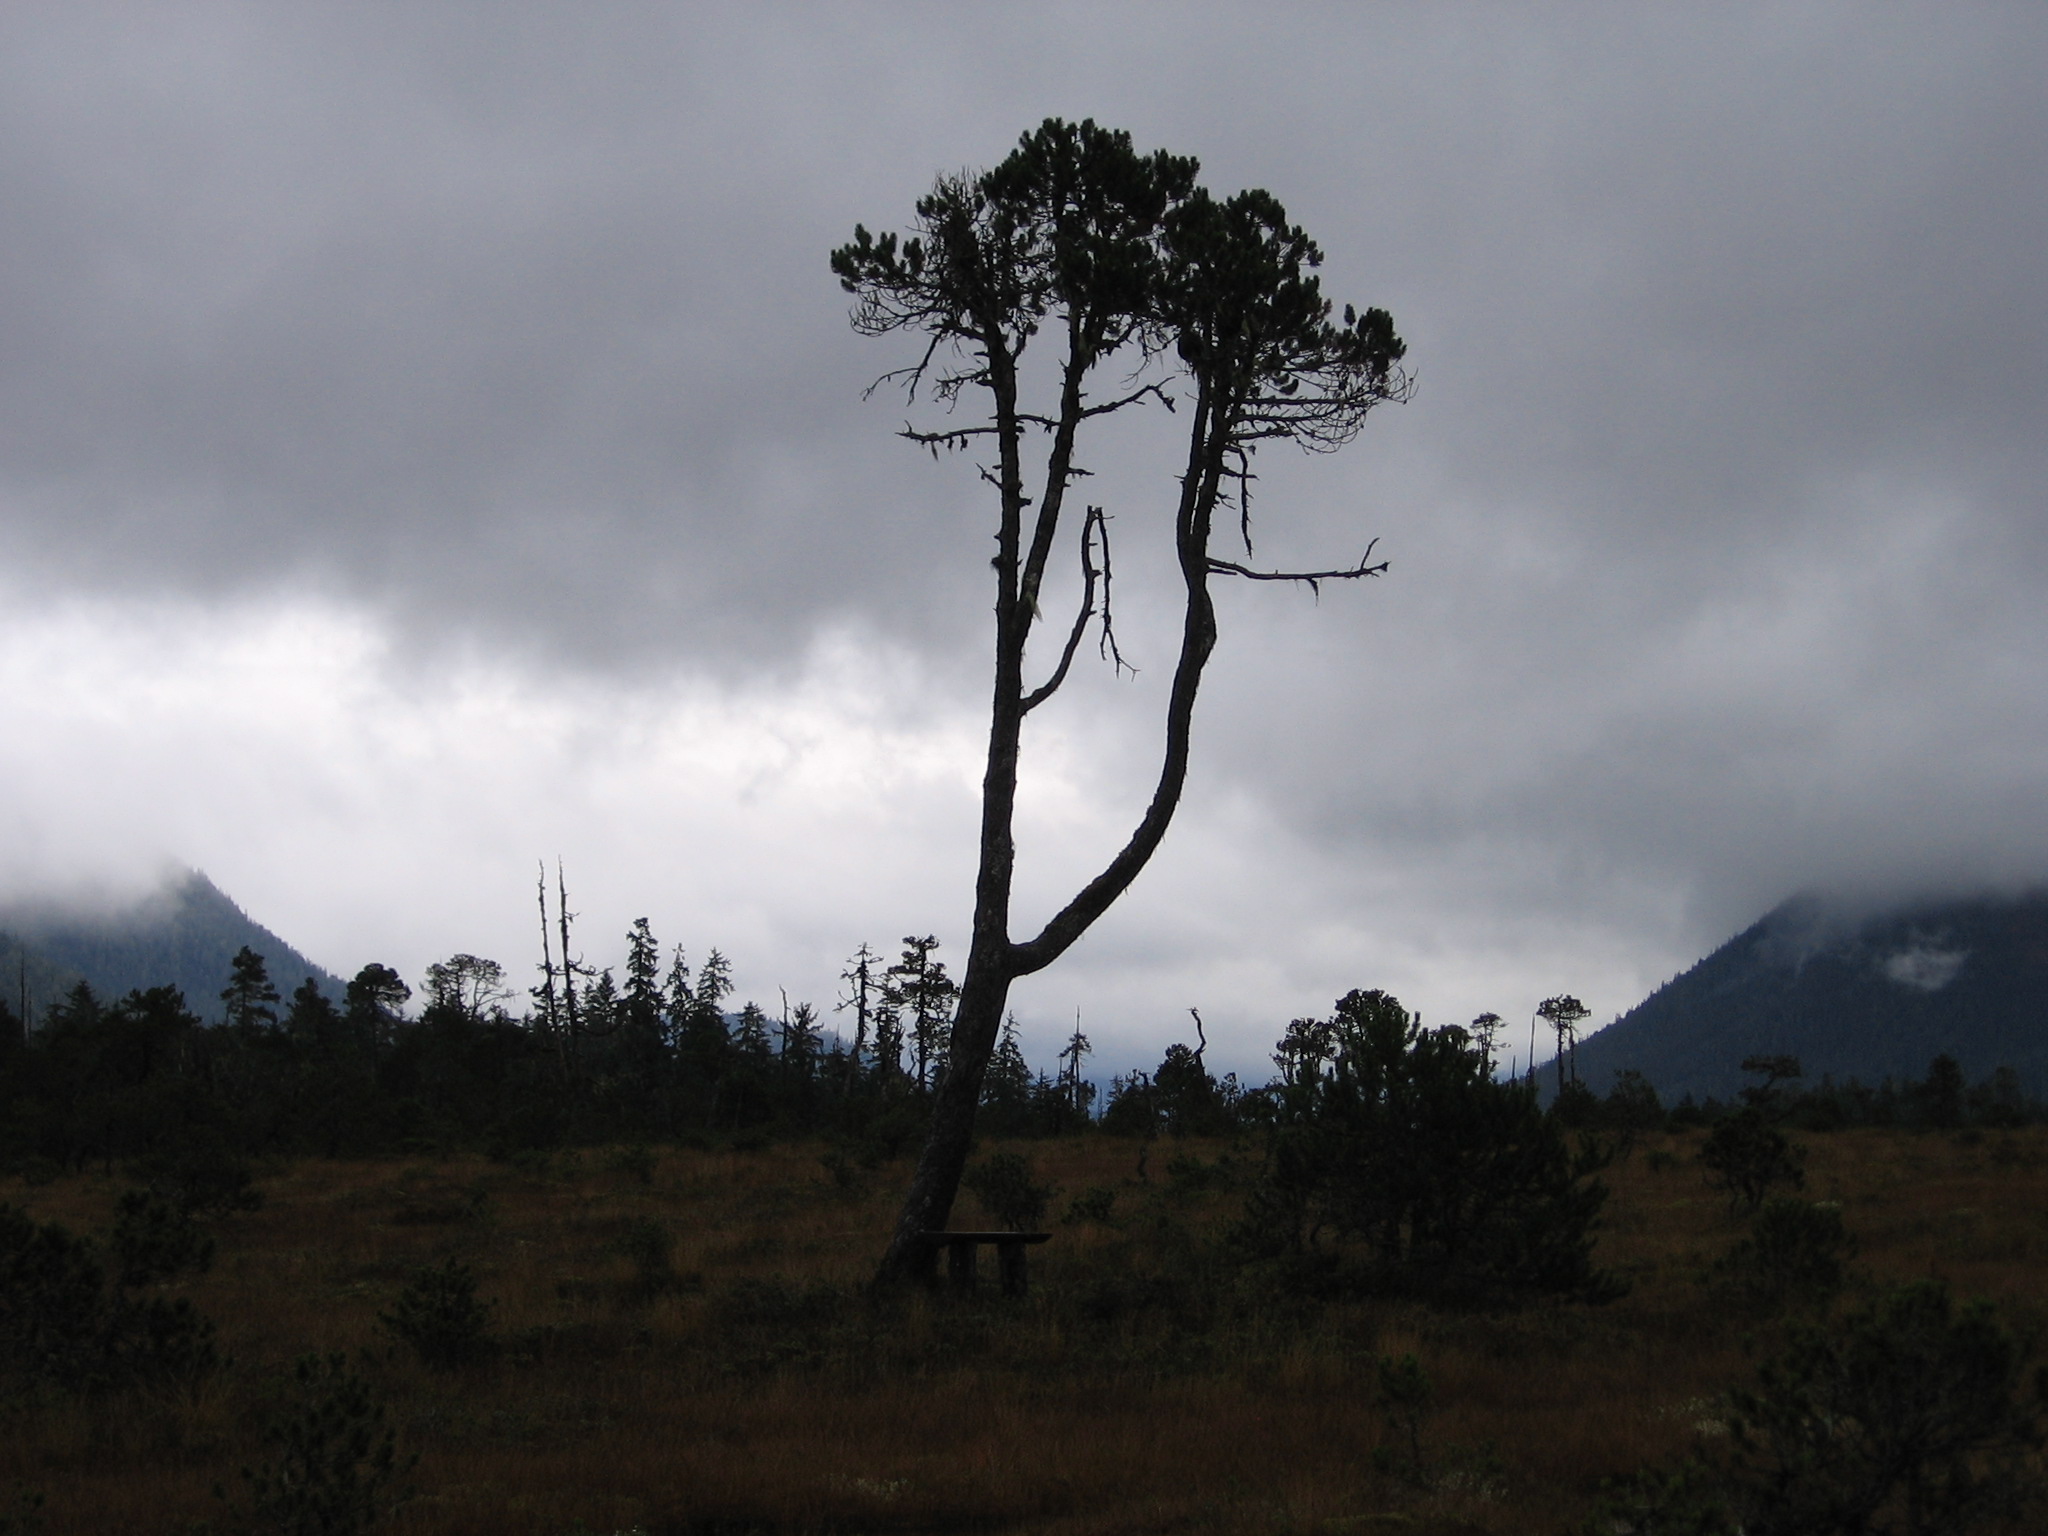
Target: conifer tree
<point>750,1034</point>
<point>799,1057</point>
<point>678,1000</point>
<point>642,1000</point>
<point>919,988</point>
<point>313,1021</point>
<point>374,1004</point>
<point>248,1000</point>
<point>1006,1091</point>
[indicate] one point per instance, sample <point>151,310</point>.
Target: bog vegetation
<point>339,1270</point>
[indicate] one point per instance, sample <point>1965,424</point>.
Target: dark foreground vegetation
<point>332,1270</point>
<point>679,1339</point>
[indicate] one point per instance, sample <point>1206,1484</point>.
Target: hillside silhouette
<point>1852,995</point>
<point>183,934</point>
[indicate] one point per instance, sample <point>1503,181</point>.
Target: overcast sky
<point>431,441</point>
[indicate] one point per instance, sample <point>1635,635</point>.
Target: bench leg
<point>960,1265</point>
<point>1010,1264</point>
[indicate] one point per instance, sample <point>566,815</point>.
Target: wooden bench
<point>963,1247</point>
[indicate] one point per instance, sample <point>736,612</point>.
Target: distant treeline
<point>1942,1100</point>
<point>659,1056</point>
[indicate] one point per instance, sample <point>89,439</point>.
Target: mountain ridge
<point>185,934</point>
<point>1866,994</point>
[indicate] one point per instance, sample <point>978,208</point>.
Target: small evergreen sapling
<point>439,1316</point>
<point>1405,1399</point>
<point>334,1468</point>
<point>1908,1418</point>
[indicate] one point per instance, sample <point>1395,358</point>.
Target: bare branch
<point>1365,567</point>
<point>1106,647</point>
<point>1150,391</point>
<point>955,438</point>
<point>1095,524</point>
<point>913,374</point>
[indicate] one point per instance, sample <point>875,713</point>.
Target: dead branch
<point>1094,525</point>
<point>1312,579</point>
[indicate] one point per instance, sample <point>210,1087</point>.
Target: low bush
<point>1908,1418</point>
<point>1096,1203</point>
<point>1004,1185</point>
<point>156,1239</point>
<point>203,1180</point>
<point>442,1320</point>
<point>63,1325</point>
<point>636,1162</point>
<point>650,1248</point>
<point>334,1468</point>
<point>1797,1254</point>
<point>1746,1157</point>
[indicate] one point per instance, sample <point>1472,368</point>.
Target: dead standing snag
<point>1209,307</point>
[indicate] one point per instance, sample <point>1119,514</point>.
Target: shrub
<point>1904,1419</point>
<point>53,1308</point>
<point>155,1239</point>
<point>1002,1182</point>
<point>1191,1176</point>
<point>1687,1500</point>
<point>60,1325</point>
<point>158,1341</point>
<point>1096,1204</point>
<point>1575,1107</point>
<point>637,1162</point>
<point>1796,1253</point>
<point>1396,1145</point>
<point>439,1315</point>
<point>1632,1104</point>
<point>26,1516</point>
<point>1404,1399</point>
<point>1746,1157</point>
<point>650,1247</point>
<point>334,1468</point>
<point>203,1180</point>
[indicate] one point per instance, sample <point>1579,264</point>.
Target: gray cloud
<point>1716,524</point>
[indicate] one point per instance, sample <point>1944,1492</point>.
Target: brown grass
<point>1086,1410</point>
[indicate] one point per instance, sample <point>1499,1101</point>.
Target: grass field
<point>747,1384</point>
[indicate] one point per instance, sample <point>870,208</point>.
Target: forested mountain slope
<point>184,934</point>
<point>1863,996</point>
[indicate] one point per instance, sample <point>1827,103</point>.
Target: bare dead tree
<point>860,978</point>
<point>1132,272</point>
<point>549,1012</point>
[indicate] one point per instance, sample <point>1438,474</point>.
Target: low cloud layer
<point>430,439</point>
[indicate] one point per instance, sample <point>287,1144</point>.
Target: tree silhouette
<point>1134,273</point>
<point>864,988</point>
<point>919,990</point>
<point>1564,1014</point>
<point>249,1000</point>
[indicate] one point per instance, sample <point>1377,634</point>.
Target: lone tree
<point>1136,275</point>
<point>1564,1014</point>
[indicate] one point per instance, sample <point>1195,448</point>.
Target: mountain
<point>184,934</point>
<point>1862,995</point>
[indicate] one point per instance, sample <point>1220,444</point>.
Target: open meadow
<point>679,1340</point>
